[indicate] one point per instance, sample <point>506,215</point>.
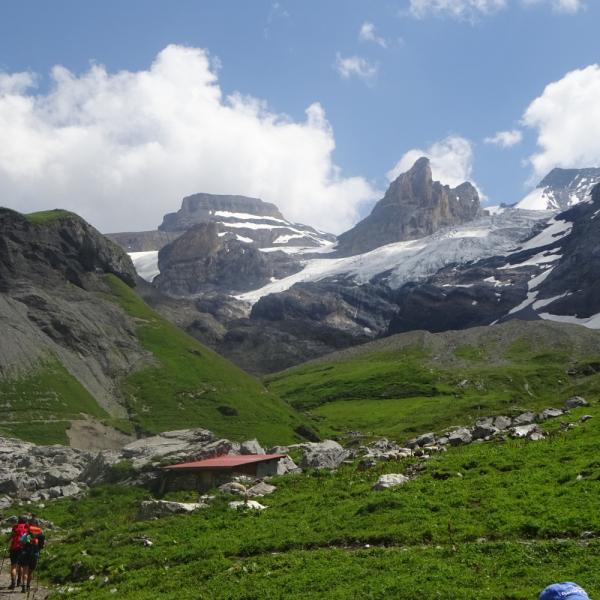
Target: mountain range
<point>427,257</point>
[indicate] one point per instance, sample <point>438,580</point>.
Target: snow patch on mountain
<point>146,264</point>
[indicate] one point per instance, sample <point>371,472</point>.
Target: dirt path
<point>36,593</point>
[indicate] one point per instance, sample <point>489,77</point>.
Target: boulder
<point>422,440</point>
<point>526,431</point>
<point>366,463</point>
<point>550,413</point>
<point>324,455</point>
<point>251,447</point>
<point>261,489</point>
<point>501,423</point>
<point>5,503</point>
<point>525,419</point>
<point>70,490</point>
<point>483,428</point>
<point>99,471</point>
<point>575,402</point>
<point>250,504</point>
<point>233,488</point>
<point>286,466</point>
<point>158,509</point>
<point>63,475</point>
<point>387,481</point>
<point>460,436</point>
<point>585,418</point>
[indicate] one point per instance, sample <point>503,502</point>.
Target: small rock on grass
<point>387,481</point>
<point>250,504</point>
<point>585,418</point>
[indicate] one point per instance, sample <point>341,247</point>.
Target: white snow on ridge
<point>146,264</point>
<point>556,231</point>
<point>532,294</point>
<point>414,260</point>
<point>247,216</point>
<point>538,199</point>
<point>592,322</point>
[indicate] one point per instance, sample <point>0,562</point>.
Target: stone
<point>575,402</point>
<point>443,441</point>
<point>160,508</point>
<point>483,428</point>
<point>251,447</point>
<point>287,466</point>
<point>99,471</point>
<point>587,534</point>
<point>366,463</point>
<point>525,419</point>
<point>422,440</point>
<point>233,488</point>
<point>385,482</point>
<point>5,503</point>
<point>70,490</point>
<point>62,475</point>
<point>460,436</point>
<point>501,423</point>
<point>585,418</point>
<point>323,455</point>
<point>525,431</point>
<point>250,504</point>
<point>550,413</point>
<point>261,489</point>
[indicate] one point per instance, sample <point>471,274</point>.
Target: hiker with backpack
<point>32,543</point>
<point>20,528</point>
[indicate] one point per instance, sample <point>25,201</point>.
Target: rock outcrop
<point>201,261</point>
<point>413,207</point>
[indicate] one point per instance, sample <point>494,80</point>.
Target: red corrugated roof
<point>226,461</point>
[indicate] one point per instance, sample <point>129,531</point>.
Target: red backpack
<point>19,530</point>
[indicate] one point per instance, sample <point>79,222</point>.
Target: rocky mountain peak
<point>413,207</point>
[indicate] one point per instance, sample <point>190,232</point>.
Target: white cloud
<point>451,161</point>
<point>124,149</point>
<point>506,139</point>
<point>456,9</point>
<point>367,34</point>
<point>471,10</point>
<point>356,65</point>
<point>560,6</point>
<point>567,120</point>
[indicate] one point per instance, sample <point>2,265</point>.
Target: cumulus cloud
<point>367,34</point>
<point>451,161</point>
<point>356,65</point>
<point>506,139</point>
<point>123,149</point>
<point>456,9</point>
<point>567,120</point>
<point>472,10</point>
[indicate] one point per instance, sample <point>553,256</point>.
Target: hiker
<point>32,543</point>
<point>563,591</point>
<point>19,529</point>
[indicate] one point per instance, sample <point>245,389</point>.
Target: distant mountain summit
<point>561,189</point>
<point>413,207</point>
<point>240,218</point>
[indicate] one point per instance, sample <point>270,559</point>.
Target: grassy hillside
<point>417,382</point>
<point>189,382</point>
<point>510,525</point>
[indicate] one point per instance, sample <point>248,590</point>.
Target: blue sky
<point>389,78</point>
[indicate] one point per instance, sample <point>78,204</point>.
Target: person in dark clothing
<point>20,528</point>
<point>32,543</point>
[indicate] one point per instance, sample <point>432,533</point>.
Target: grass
<point>38,407</point>
<point>48,216</point>
<point>403,391</point>
<point>516,516</point>
<point>190,382</point>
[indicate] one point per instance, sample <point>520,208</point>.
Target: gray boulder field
<point>157,509</point>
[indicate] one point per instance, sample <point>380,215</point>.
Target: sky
<point>118,110</point>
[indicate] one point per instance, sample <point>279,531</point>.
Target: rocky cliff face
<point>554,276</point>
<point>202,261</point>
<point>413,207</point>
<point>238,218</point>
